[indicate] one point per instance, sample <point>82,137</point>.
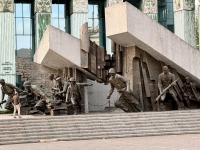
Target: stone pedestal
<point>79,15</point>
<point>150,8</point>
<point>184,20</point>
<point>7,50</point>
<point>42,18</point>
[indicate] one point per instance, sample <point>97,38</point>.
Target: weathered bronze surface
<point>74,94</point>
<point>126,100</point>
<point>164,80</point>
<point>190,92</point>
<point>9,90</point>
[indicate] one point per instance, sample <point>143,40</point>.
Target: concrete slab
<point>128,26</point>
<point>58,49</point>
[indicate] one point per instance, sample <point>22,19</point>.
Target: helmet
<point>2,81</point>
<point>111,70</point>
<point>27,84</point>
<point>72,79</point>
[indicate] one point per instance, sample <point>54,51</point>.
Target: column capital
<point>6,5</point>
<point>43,6</point>
<point>113,2</point>
<point>78,6</point>
<point>150,6</point>
<point>184,5</point>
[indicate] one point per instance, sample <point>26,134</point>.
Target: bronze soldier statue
<point>44,99</point>
<point>164,80</point>
<point>61,88</point>
<point>8,89</point>
<point>74,93</point>
<point>126,100</point>
<point>52,79</point>
<point>190,91</point>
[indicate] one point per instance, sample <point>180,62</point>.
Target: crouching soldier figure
<point>44,99</point>
<point>126,100</point>
<point>9,90</point>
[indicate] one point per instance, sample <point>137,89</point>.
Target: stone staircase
<point>98,126</point>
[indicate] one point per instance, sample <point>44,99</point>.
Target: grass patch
<point>6,111</point>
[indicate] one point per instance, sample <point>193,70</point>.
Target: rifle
<point>165,90</point>
<point>2,103</point>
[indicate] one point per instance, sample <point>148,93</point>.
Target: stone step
<point>131,123</point>
<point>19,142</point>
<point>95,123</point>
<point>104,134</point>
<point>98,126</point>
<point>93,130</point>
<point>66,138</point>
<point>54,121</point>
<point>140,114</point>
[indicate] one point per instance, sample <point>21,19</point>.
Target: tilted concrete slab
<point>128,26</point>
<point>58,49</point>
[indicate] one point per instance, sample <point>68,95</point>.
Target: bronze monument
<point>166,80</point>
<point>126,100</point>
<point>74,94</point>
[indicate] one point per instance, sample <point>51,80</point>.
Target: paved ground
<point>172,142</point>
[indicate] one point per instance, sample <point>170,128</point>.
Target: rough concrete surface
<point>131,27</point>
<point>172,142</point>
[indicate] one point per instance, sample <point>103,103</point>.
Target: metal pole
<point>109,105</point>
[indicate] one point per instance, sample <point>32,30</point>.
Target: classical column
<point>199,20</point>
<point>108,41</point>
<point>7,50</point>
<point>79,15</point>
<point>42,18</point>
<point>184,20</point>
<point>150,7</point>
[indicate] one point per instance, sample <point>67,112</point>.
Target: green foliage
<point>6,111</point>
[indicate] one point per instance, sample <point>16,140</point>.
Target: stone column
<point>199,19</point>
<point>7,50</point>
<point>150,7</point>
<point>42,18</point>
<point>184,20</point>
<point>108,41</point>
<point>79,15</point>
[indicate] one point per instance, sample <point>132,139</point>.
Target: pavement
<point>171,142</point>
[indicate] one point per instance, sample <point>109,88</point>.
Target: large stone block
<point>59,49</point>
<point>131,27</point>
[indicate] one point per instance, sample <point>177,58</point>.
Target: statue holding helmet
<point>126,100</point>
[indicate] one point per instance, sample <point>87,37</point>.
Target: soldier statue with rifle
<point>166,81</point>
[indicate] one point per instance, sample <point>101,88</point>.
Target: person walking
<point>16,104</point>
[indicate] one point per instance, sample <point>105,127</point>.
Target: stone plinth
<point>131,27</point>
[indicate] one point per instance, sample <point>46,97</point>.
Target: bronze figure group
<point>67,94</point>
